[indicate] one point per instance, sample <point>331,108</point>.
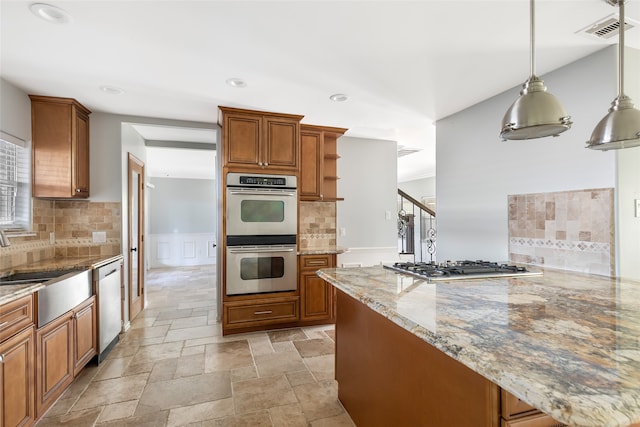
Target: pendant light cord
<point>621,50</point>
<point>532,45</point>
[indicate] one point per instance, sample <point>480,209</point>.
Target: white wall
<point>423,190</point>
<point>476,170</point>
<point>15,111</point>
<point>182,222</point>
<point>368,182</point>
<point>628,238</point>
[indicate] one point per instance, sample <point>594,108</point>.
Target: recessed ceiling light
<point>338,97</point>
<point>236,82</point>
<point>50,13</point>
<point>112,90</point>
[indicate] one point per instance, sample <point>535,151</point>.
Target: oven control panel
<point>235,179</point>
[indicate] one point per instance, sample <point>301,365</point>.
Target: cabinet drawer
<point>537,420</point>
<point>248,313</point>
<point>15,316</point>
<point>315,262</point>
<point>512,407</point>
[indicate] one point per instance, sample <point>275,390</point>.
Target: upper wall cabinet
<point>318,162</point>
<point>259,141</point>
<point>60,135</point>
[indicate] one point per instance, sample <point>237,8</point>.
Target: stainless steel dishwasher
<point>107,280</point>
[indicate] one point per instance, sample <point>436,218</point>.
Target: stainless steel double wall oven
<point>261,229</point>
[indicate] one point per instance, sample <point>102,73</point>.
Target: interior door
<point>136,236</point>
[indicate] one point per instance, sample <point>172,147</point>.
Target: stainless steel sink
<point>33,277</point>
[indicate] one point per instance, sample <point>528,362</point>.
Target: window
<point>15,185</point>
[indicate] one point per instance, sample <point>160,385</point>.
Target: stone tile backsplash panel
<point>317,223</point>
<point>569,230</point>
<point>73,222</point>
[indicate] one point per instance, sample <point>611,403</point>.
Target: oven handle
<point>258,250</point>
<point>262,193</point>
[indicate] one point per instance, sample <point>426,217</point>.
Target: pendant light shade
<point>620,128</point>
<point>536,113</point>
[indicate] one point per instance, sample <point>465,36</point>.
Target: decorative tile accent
<point>317,225</point>
<point>73,222</point>
<point>570,230</point>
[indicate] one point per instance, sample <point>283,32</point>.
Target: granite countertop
<point>328,250</point>
<point>566,343</point>
<point>10,293</point>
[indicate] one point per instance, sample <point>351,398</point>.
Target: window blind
<point>15,185</point>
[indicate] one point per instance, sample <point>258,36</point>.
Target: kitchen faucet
<point>4,240</point>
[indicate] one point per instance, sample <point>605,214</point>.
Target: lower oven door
<point>260,269</point>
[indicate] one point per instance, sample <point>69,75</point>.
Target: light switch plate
<point>637,208</point>
<point>99,236</point>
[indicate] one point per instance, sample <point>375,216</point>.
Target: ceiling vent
<point>607,28</point>
<point>405,151</point>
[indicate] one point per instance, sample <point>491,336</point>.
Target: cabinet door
<point>80,156</point>
<point>51,149</point>
<point>16,380</point>
<point>281,136</point>
<point>310,185</point>
<point>85,331</point>
<point>54,361</point>
<point>242,138</point>
<point>316,296</point>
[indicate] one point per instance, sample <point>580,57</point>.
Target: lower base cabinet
<point>63,347</point>
<point>16,380</point>
<point>54,361</point>
<point>316,295</point>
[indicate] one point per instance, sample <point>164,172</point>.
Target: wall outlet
<point>387,215</point>
<point>637,208</point>
<point>99,236</point>
<point>343,231</point>
<point>52,238</point>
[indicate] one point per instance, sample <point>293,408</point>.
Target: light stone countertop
<point>328,250</point>
<point>10,293</point>
<point>566,343</point>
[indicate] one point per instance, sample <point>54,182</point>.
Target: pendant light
<point>620,128</point>
<point>536,113</point>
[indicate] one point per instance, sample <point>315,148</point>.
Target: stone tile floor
<point>174,368</point>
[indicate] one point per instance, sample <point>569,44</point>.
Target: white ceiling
<point>404,64</point>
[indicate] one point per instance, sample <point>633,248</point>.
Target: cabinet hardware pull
<point>316,262</point>
<point>111,272</point>
<point>263,312</point>
<point>1,358</point>
<point>3,324</point>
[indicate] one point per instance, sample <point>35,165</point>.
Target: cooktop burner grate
<point>460,270</point>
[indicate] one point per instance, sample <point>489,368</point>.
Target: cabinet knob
<point>266,164</point>
<point>78,190</point>
<point>1,358</point>
<point>259,163</point>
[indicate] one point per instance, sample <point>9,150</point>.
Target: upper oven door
<point>261,211</point>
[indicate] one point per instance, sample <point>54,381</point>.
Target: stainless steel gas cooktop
<point>459,270</point>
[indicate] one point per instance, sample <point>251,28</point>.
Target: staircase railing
<point>416,229</point>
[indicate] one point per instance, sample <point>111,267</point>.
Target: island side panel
<point>389,377</point>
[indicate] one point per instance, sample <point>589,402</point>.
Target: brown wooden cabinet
<point>318,162</point>
<point>259,141</point>
<point>54,361</point>
<point>60,146</point>
<point>17,391</point>
<point>316,295</point>
<point>63,347</point>
<point>517,413</point>
<point>85,342</point>
<point>256,313</point>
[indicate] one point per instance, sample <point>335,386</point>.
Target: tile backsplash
<point>73,223</point>
<point>317,223</point>
<point>570,230</point>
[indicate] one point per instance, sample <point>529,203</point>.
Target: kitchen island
<point>565,343</point>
